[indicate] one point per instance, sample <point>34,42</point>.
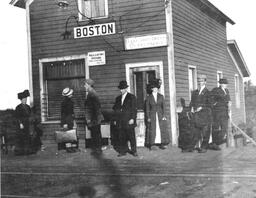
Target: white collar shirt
<point>123,97</point>
<point>224,90</point>
<point>201,89</point>
<point>155,96</point>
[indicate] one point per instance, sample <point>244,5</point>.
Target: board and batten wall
<point>201,41</point>
<point>131,17</point>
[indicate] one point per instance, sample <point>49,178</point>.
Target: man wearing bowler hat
<point>125,109</point>
<point>200,107</point>
<point>221,103</point>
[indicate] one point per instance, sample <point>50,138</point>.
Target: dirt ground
<point>168,173</point>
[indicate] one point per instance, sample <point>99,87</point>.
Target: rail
<point>244,134</point>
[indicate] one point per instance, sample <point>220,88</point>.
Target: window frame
<point>221,76</point>
<point>43,83</point>
<point>82,18</point>
<point>194,69</point>
<point>143,66</point>
<point>237,91</point>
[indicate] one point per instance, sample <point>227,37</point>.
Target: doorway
<point>138,75</point>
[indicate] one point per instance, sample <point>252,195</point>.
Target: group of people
<point>207,114</point>
<point>123,120</point>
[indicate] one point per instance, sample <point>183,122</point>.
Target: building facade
<point>114,40</point>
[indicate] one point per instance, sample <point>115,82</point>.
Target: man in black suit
<point>200,106</point>
<point>221,109</point>
<point>125,109</point>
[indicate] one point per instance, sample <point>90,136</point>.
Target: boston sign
<point>94,30</point>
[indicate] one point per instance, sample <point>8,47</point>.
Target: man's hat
<point>89,82</point>
<point>23,94</point>
<point>223,81</point>
<point>123,84</point>
<point>67,91</point>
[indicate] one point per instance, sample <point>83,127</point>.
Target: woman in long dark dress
<point>157,134</point>
<point>22,115</point>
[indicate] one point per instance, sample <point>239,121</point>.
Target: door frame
<point>159,64</point>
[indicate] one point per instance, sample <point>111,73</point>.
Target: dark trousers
<point>204,135</point>
<point>125,135</point>
<point>96,137</point>
<point>220,128</point>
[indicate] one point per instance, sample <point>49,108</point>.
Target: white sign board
<point>148,41</point>
<point>96,58</point>
<point>94,30</point>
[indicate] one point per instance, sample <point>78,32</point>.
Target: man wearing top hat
<point>221,103</point>
<point>125,109</point>
<point>200,107</point>
<point>22,114</point>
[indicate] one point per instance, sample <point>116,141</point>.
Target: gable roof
<point>208,8</point>
<point>238,58</point>
<point>18,3</point>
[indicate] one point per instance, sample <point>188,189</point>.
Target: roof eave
<point>208,8</point>
<point>18,3</point>
<point>245,68</point>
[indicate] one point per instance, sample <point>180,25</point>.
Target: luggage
<point>187,132</point>
<point>65,136</point>
<point>66,139</point>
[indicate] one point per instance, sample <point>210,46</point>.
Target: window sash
<point>94,8</point>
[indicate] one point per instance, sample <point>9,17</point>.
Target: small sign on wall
<point>147,41</point>
<point>96,58</point>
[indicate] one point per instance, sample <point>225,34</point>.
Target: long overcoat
<point>67,112</point>
<point>220,101</point>
<point>126,111</point>
<point>204,117</point>
<point>153,107</point>
<point>93,113</point>
<point>22,114</point>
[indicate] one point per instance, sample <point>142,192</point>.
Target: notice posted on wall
<point>96,58</point>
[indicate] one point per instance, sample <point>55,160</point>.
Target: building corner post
<point>171,72</point>
<point>28,2</point>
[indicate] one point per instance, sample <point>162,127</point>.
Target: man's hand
<point>65,126</point>
<point>164,118</point>
<point>198,109</point>
<point>21,126</point>
<point>131,121</point>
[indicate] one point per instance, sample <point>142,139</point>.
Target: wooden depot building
<point>114,40</point>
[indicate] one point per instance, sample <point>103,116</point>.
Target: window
<point>55,76</point>
<point>237,91</point>
<point>192,79</point>
<point>219,76</point>
<point>93,9</point>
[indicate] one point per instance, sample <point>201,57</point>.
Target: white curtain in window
<point>94,8</point>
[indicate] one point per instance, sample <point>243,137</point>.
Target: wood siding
<point>201,41</point>
<point>131,18</point>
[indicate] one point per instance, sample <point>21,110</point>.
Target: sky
<point>14,57</point>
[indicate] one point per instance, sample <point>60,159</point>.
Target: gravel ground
<point>230,172</point>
